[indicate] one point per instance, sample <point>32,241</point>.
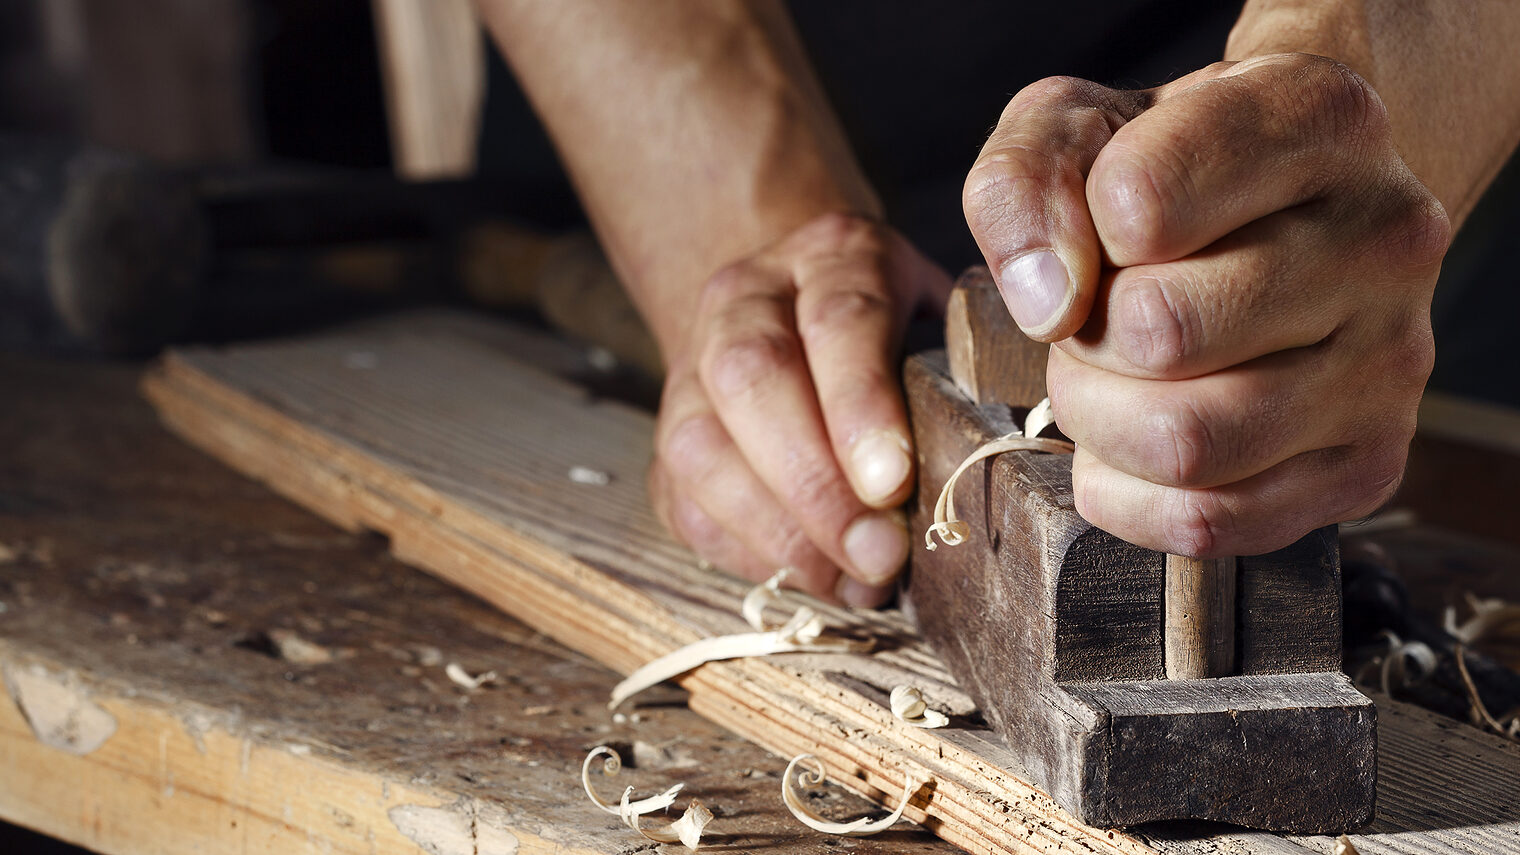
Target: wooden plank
<point>140,582</point>
<point>459,455</point>
<point>433,63</point>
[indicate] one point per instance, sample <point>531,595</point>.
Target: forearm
<point>695,133</point>
<point>1446,69</point>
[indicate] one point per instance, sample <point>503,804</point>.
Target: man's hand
<point>1237,271</point>
<point>782,436</point>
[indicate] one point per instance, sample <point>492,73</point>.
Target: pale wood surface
<point>144,710</point>
<point>433,63</point>
<point>459,454</point>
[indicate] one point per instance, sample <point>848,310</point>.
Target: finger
<point>752,369</point>
<point>1274,285</point>
<point>1259,514</point>
<point>1203,432</point>
<point>1025,200</point>
<point>853,592</point>
<point>849,322</point>
<point>1228,145</point>
<point>702,482</point>
<point>716,545</point>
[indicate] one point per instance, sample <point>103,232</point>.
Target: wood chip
<point>293,648</point>
<point>909,706</point>
<point>462,678</point>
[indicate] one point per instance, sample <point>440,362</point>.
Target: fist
<point>1236,271</point>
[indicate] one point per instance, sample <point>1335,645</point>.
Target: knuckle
<point>1000,183</point>
<point>1134,193</point>
<point>1183,444</point>
<point>1196,523</point>
<point>1377,478</point>
<point>844,312</point>
<point>1051,91</point>
<point>790,546</point>
<point>694,527</point>
<point>815,491</point>
<point>729,283</point>
<point>690,447</point>
<point>1412,356</point>
<point>734,367</point>
<point>1330,89</point>
<point>839,229</point>
<point>1421,232</point>
<point>1155,332</point>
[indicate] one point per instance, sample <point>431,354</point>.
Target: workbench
<point>193,661</point>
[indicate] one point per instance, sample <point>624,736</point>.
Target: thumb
<point>1025,200</point>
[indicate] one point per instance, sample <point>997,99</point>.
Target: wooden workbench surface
<point>148,593</point>
<point>144,588</point>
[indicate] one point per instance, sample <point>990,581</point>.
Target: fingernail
<point>877,544</point>
<point>880,463</point>
<point>857,594</point>
<point>1035,286</point>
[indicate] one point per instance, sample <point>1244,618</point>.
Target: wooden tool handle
<point>1199,607</point>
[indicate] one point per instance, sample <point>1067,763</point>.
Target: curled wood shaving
<point>802,633</point>
<point>760,596</point>
<point>810,778</point>
<point>688,829</point>
<point>1407,663</point>
<point>908,705</point>
<point>1490,617</point>
<point>1344,846</point>
<point>951,530</point>
<point>1040,417</point>
<point>460,677</point>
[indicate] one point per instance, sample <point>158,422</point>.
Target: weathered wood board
<point>459,454</point>
<point>144,707</point>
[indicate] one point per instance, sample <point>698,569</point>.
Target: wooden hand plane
<point>1060,631</point>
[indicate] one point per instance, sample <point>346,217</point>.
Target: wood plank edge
<point>176,779</point>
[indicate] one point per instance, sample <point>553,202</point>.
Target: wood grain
<point>1200,617</point>
<point>459,455</point>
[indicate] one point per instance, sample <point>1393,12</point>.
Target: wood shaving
<point>293,648</point>
<point>802,633</point>
<point>1039,418</point>
<point>809,778</point>
<point>462,678</point>
<point>760,596</point>
<point>1344,846</point>
<point>952,531</point>
<point>1491,617</point>
<point>1407,663</point>
<point>908,705</point>
<point>687,830</point>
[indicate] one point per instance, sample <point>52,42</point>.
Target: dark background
<point>260,84</point>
